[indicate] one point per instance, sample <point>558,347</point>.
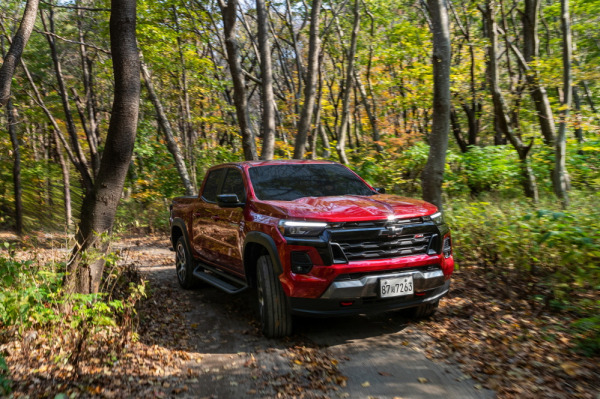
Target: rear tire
<point>273,305</point>
<point>184,265</point>
<point>425,310</point>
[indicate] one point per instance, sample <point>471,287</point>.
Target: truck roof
<point>278,162</point>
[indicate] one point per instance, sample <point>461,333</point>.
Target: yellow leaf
<point>423,380</point>
<point>570,368</point>
<point>366,384</point>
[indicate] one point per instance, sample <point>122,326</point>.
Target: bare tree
<point>100,204</point>
<point>433,173</point>
<point>310,89</point>
<point>348,85</point>
<point>11,116</point>
<point>531,44</point>
<point>501,118</point>
<point>560,178</point>
<point>228,12</point>
<point>266,75</point>
<point>165,126</point>
<point>11,60</point>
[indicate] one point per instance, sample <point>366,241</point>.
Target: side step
<point>219,280</point>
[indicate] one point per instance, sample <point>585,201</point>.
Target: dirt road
<point>357,357</point>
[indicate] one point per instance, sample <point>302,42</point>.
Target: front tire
<point>184,265</point>
<point>273,305</point>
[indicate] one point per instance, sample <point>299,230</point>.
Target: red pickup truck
<point>312,238</point>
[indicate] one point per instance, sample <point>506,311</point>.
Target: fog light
<point>447,249</point>
<point>301,263</point>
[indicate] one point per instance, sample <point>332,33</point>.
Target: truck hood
<point>346,208</point>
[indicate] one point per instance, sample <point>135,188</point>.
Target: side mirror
<point>380,190</point>
<point>229,201</point>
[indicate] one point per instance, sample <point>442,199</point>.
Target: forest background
<point>523,82</point>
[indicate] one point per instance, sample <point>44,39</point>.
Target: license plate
<point>398,286</point>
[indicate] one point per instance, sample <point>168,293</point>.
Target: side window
<point>234,184</point>
<point>212,184</point>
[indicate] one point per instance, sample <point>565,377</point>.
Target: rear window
<point>290,182</point>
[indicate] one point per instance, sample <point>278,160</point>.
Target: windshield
<point>290,182</point>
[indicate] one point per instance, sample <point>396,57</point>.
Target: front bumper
<point>359,296</point>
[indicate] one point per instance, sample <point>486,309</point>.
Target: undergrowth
<point>35,310</point>
<point>549,256</point>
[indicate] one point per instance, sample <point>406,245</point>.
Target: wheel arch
<point>257,244</point>
<point>178,229</point>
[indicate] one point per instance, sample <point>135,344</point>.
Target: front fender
<point>179,223</point>
<point>267,242</point>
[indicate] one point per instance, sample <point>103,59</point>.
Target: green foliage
<point>555,253</point>
<point>5,383</point>
<point>25,292</point>
<point>32,298</point>
<point>486,169</point>
<point>588,334</point>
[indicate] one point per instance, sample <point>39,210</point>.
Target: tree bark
<point>348,84</point>
<point>81,161</point>
<point>501,118</point>
<point>13,56</point>
<point>266,78</point>
<point>91,127</point>
<point>64,167</point>
<point>11,116</point>
<point>433,173</point>
<point>560,178</point>
<point>99,206</point>
<point>228,12</point>
<point>530,53</point>
<point>165,125</point>
<point>310,88</point>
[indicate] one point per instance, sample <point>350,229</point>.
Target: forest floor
<point>207,344</point>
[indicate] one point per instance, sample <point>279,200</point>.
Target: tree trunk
<point>165,125</point>
<point>577,101</point>
<point>64,166</point>
<point>560,178</point>
<point>81,162</point>
<point>266,75</point>
<point>99,206</point>
<point>11,116</point>
<point>91,127</point>
<point>501,118</point>
<point>433,173</point>
<point>348,84</point>
<point>17,46</point>
<point>530,53</point>
<point>457,131</point>
<point>228,12</point>
<point>370,112</point>
<point>310,88</point>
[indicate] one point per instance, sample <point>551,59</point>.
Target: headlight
<point>437,218</point>
<point>293,228</point>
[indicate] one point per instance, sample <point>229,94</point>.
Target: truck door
<point>229,223</point>
<point>204,214</point>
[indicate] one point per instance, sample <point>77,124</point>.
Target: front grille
<point>381,239</point>
<point>385,247</point>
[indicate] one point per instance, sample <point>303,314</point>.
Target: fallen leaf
<point>570,368</point>
<point>423,380</point>
<point>383,373</point>
<point>366,384</point>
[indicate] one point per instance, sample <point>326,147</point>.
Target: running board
<point>218,281</point>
